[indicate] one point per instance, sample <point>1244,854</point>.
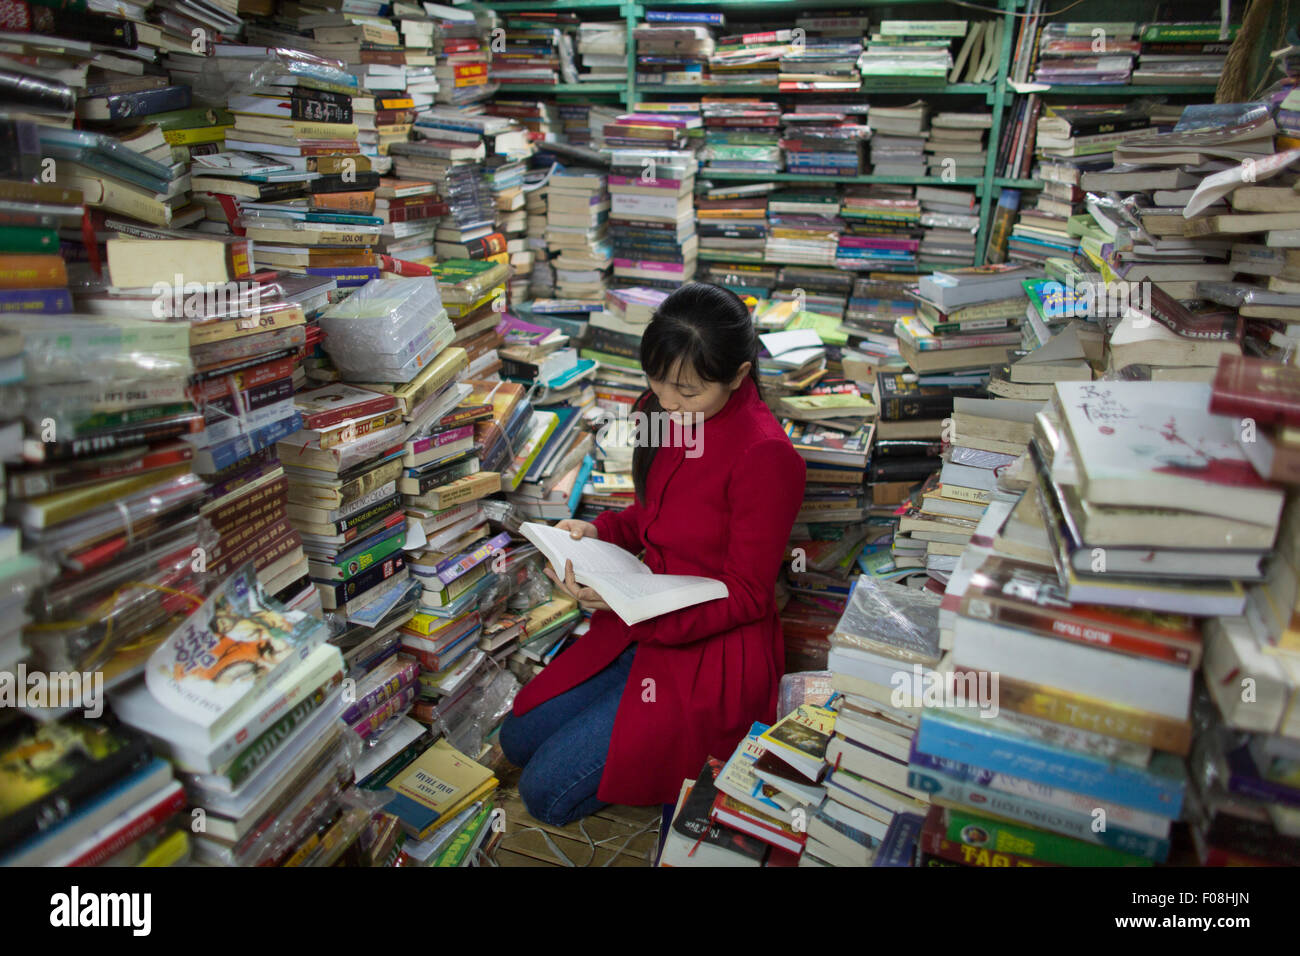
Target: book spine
<point>404,676</point>
<point>466,489</point>
<point>172,803</point>
<point>353,564</point>
<point>338,594</point>
<point>220,457</point>
<point>942,736</point>
<point>264,549</point>
<point>934,843</point>
<point>1091,634</point>
<point>1076,824</point>
<point>383,712</point>
<point>145,102</point>
<point>1039,844</point>
<point>258,398</point>
<point>449,570</point>
<point>237,511</point>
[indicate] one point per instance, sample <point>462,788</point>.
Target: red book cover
<point>337,402</point>
<point>171,801</point>
<point>1268,392</point>
<point>1173,315</point>
<point>1026,597</point>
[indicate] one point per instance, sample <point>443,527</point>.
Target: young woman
<point>626,713</point>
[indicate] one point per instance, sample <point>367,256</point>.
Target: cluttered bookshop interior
<point>690,433</point>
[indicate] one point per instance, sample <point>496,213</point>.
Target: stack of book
<point>1243,796</point>
<point>898,139</point>
<point>602,49</point>
<point>252,727</point>
<point>674,49</point>
<point>444,826</point>
<point>461,45</point>
<point>731,222</point>
<point>950,220</point>
<point>877,669</point>
<point>651,218</point>
<point>882,226</point>
<point>957,346</point>
<point>911,50</point>
<point>34,277</point>
<point>1086,54</point>
<point>529,53</point>
<point>741,135</point>
<point>956,144</point>
<point>100,797</point>
<point>909,427</point>
<point>822,142</point>
<point>577,228</point>
<point>1088,612</point>
<point>102,488</point>
<point>826,58</point>
<point>1175,53</point>
<point>473,293</point>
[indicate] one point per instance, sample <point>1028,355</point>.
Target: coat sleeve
<point>766,492</point>
<point>622,528</point>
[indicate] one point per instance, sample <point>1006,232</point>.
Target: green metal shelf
<point>843,180</point>
<point>647,90</point>
<point>559,88</point>
<point>1101,91</point>
<point>999,96</point>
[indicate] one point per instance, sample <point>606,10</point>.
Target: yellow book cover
<point>440,783</point>
<point>196,136</point>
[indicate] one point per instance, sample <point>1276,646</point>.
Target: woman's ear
<point>741,374</point>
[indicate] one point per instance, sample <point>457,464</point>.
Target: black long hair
<point>703,327</point>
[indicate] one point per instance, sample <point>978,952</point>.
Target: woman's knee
<point>551,797</point>
<point>511,746</point>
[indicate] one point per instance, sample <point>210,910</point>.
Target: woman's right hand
<point>578,529</point>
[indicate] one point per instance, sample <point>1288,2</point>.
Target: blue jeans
<point>562,745</point>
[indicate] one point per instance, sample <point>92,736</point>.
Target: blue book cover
<point>1157,789</point>
<point>220,457</point>
<point>899,846</point>
<point>1078,824</point>
<point>588,465</point>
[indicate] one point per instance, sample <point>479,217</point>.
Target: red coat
<point>702,675</point>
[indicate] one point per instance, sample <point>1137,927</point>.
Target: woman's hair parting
<point>702,327</point>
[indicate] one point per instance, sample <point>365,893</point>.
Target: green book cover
<point>999,836</point>
<point>459,846</point>
<point>25,239</point>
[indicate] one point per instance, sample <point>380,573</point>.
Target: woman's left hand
<point>585,596</point>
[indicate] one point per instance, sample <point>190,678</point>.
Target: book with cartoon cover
<point>228,650</point>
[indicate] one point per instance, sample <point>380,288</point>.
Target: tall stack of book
<point>874,667</point>
<point>577,228</point>
<point>102,488</point>
<point>1243,794</point>
<point>461,46</point>
<point>1097,662</point>
<point>651,219</point>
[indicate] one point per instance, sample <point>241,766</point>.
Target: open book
<point>633,591</point>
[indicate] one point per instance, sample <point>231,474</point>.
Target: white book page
<point>589,555</point>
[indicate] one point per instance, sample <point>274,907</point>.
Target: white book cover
<point>1155,444</point>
